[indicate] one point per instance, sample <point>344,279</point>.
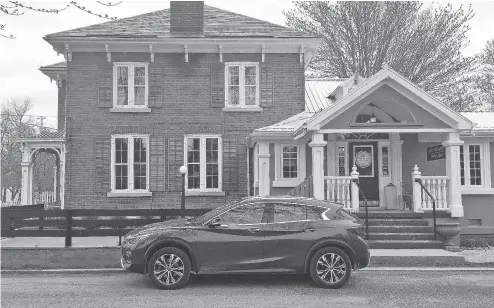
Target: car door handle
<point>310,230</point>
<point>255,230</point>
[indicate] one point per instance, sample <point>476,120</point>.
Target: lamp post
<point>183,171</point>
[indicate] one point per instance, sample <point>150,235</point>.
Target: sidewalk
<point>49,242</point>
<point>104,252</point>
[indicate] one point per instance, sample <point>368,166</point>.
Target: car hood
<point>162,226</point>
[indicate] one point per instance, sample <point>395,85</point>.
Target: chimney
<point>186,18</point>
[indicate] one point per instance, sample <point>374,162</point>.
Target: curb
<point>66,271</point>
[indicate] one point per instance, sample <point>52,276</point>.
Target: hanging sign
<point>436,152</point>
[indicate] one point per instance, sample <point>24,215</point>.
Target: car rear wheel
<point>330,268</point>
<point>169,268</point>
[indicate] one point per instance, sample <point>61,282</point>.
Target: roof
<point>56,66</point>
<point>484,120</point>
<point>317,91</point>
<point>289,125</point>
<point>46,135</point>
<point>217,23</point>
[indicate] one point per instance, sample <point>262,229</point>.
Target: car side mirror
<point>214,223</point>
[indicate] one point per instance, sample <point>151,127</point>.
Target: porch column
<point>317,146</point>
<point>452,145</point>
<point>396,164</point>
<point>26,169</point>
<point>55,176</point>
<point>62,179</point>
<point>263,157</point>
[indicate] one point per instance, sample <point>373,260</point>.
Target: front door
<point>364,156</point>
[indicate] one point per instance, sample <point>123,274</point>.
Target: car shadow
<point>241,280</point>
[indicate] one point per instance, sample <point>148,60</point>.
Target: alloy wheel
<point>168,269</point>
<point>331,268</point>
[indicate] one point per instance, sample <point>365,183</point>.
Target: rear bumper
<point>363,261</point>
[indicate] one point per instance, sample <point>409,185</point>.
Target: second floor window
<point>242,84</point>
<point>130,85</point>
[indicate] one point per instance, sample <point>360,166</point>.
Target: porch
<point>32,146</point>
<point>362,139</point>
<point>362,172</point>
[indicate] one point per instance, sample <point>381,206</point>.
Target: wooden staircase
<point>399,230</point>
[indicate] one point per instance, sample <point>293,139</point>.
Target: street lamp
<point>183,171</point>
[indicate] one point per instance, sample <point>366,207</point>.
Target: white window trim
<point>485,168</point>
<point>130,163</point>
<point>202,164</point>
<point>241,104</point>
<point>301,162</point>
<point>256,166</point>
<point>130,85</point>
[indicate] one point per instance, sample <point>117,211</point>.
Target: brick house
<point>225,95</point>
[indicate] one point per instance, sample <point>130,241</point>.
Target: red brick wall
<point>181,104</point>
<point>61,106</point>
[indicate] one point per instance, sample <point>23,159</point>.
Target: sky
<point>20,58</point>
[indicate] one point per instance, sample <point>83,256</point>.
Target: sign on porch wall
<point>436,152</point>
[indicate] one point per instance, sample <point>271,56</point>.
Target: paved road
<point>365,289</point>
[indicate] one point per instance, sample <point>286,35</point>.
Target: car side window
<point>283,212</point>
<point>242,215</point>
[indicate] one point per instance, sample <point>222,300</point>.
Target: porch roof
<point>484,120</point>
<point>289,125</point>
<point>46,135</point>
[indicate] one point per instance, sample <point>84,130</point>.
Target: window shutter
<point>266,83</point>
<point>157,163</point>
<point>102,163</point>
<point>217,72</point>
<point>175,161</point>
<point>105,81</point>
<point>231,164</point>
<point>155,87</point>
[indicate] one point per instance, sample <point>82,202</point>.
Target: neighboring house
<point>225,95</point>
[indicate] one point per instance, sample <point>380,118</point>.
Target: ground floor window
<point>290,164</point>
<point>475,165</point>
<point>130,163</point>
<point>203,156</point>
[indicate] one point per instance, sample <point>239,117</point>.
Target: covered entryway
<point>362,137</point>
<point>32,146</point>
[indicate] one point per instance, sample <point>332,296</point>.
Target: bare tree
<point>423,44</point>
<point>17,8</point>
<point>14,123</point>
<point>484,78</point>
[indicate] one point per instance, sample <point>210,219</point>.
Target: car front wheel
<point>169,268</point>
<point>330,268</point>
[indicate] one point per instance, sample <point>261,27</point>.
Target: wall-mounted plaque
<point>436,152</point>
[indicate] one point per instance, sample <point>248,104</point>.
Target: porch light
<point>373,118</point>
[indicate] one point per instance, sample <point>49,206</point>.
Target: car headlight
<point>132,241</point>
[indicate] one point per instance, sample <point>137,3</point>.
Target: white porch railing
<point>342,189</point>
<point>437,187</point>
<point>45,197</point>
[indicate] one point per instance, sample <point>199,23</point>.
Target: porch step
<point>390,214</point>
<point>402,236</point>
<point>400,229</point>
<point>397,222</point>
<point>404,244</point>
